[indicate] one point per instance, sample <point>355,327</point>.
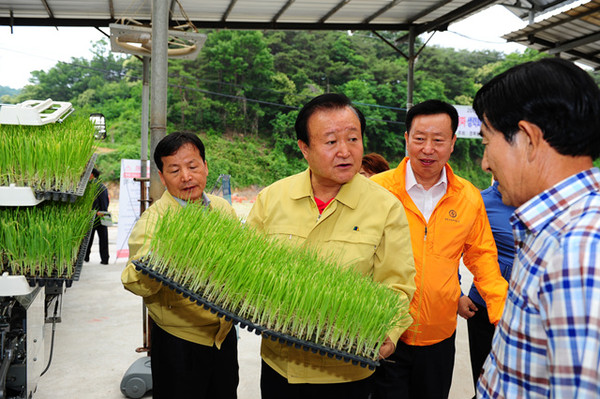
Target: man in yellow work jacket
<point>447,221</point>
<point>332,207</point>
<point>194,352</point>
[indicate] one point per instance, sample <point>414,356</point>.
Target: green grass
<point>289,289</point>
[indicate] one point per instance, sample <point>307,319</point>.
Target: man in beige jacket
<point>343,214</point>
<point>193,352</point>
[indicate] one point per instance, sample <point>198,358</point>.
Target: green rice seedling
<point>44,241</point>
<point>51,157</point>
<point>293,290</point>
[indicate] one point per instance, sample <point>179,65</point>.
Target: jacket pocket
<point>287,233</point>
<point>353,249</point>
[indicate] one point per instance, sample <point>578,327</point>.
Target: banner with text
<point>468,123</point>
<point>129,203</point>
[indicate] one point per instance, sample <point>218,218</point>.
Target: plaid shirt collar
<point>538,212</point>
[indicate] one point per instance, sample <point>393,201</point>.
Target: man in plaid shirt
<point>541,131</point>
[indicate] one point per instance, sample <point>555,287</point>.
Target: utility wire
<point>474,39</point>
<point>282,92</point>
<point>233,96</point>
<point>267,102</point>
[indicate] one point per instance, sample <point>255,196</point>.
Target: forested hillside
<point>243,92</point>
<point>7,91</point>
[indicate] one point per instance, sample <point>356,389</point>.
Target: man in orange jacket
<point>447,221</point>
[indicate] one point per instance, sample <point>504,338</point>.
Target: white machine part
<point>34,112</point>
<point>137,40</point>
<point>22,337</point>
<point>17,196</point>
<point>14,285</point>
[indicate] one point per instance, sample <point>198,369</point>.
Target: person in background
<point>332,208</point>
<point>193,352</point>
<point>541,132</point>
<point>372,164</point>
<point>100,205</point>
<point>447,222</point>
<point>472,307</point>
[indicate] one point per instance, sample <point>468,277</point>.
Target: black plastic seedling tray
<point>55,279</point>
<point>70,196</point>
<point>250,326</point>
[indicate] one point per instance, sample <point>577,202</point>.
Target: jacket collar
<point>411,179</point>
<point>174,200</point>
<point>348,195</point>
<point>454,185</point>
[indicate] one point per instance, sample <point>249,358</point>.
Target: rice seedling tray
<point>26,196</point>
<point>146,269</point>
<point>70,196</point>
<point>54,278</point>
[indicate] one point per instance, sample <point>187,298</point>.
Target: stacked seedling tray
<point>288,293</point>
<point>46,243</point>
<point>69,195</point>
<point>46,202</point>
<point>51,162</point>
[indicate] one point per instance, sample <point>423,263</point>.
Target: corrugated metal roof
<point>523,8</point>
<point>574,34</point>
<point>425,15</point>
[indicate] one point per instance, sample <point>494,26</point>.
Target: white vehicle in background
<point>100,123</point>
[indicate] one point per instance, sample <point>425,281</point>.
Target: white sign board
<point>129,204</point>
<point>468,123</point>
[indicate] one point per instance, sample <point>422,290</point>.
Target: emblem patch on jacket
<point>452,216</point>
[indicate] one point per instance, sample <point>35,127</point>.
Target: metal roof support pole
<point>531,16</point>
<point>158,87</point>
<point>145,108</point>
<point>410,80</point>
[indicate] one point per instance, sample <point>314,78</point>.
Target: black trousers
<point>103,242</point>
<point>183,369</point>
<point>481,332</point>
<point>416,371</point>
<point>274,386</point>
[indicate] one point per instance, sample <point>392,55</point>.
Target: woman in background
<point>372,164</point>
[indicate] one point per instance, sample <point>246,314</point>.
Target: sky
<point>40,48</point>
<point>478,33</point>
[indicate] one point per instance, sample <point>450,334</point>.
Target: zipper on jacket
<point>417,322</point>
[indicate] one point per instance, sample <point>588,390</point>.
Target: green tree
<point>442,64</point>
<point>486,72</point>
<point>240,65</point>
<point>379,136</point>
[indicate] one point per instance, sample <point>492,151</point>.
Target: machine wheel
<point>134,387</point>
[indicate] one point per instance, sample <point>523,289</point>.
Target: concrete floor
<point>102,326</point>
